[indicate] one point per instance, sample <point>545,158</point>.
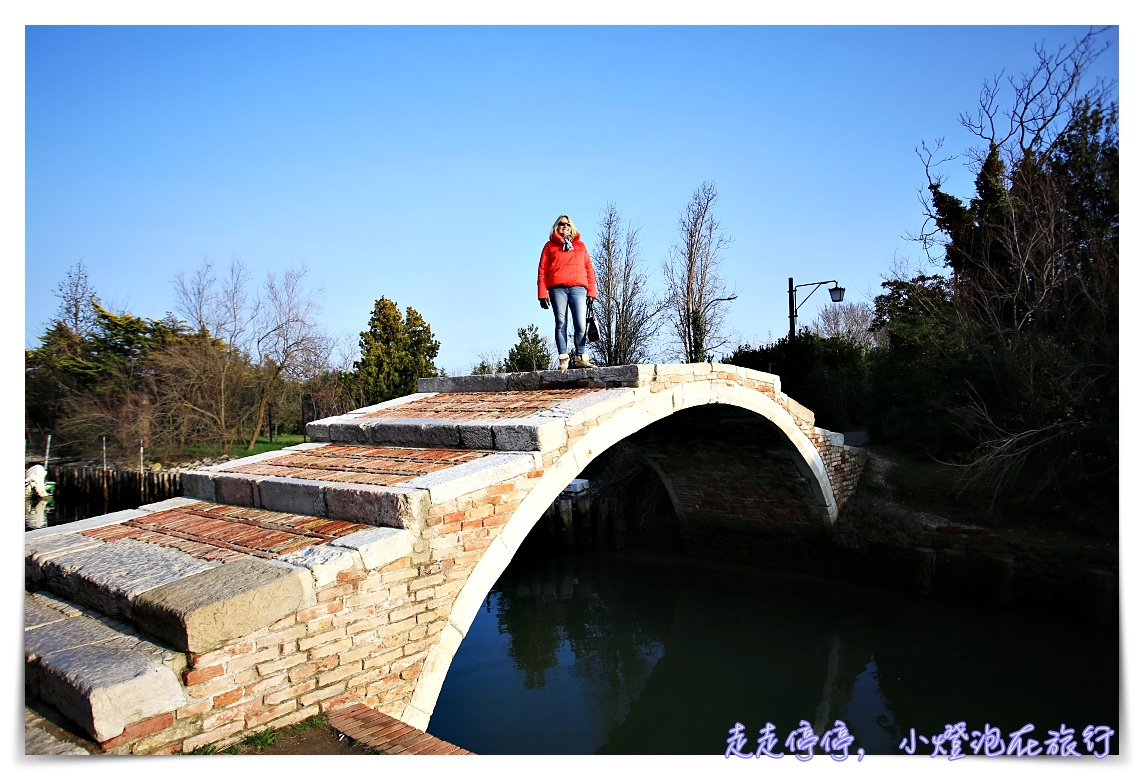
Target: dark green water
<point>60,510</point>
<point>650,653</point>
<point>629,653</point>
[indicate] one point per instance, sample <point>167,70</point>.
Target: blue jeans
<point>576,299</point>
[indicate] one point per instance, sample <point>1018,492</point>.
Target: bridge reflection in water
<point>650,653</point>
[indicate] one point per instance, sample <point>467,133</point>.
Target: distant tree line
<point>1005,363</point>
<point>234,363</point>
<point>1008,364</point>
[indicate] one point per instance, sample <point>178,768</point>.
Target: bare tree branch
<point>628,315</point>
<point>697,296</point>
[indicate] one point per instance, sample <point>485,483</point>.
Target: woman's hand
<point>544,303</point>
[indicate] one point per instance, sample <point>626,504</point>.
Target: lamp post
<point>836,294</point>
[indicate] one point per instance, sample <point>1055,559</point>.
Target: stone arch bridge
<point>347,570</point>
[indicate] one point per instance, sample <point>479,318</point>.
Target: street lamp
<point>836,294</point>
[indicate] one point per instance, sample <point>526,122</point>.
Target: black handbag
<point>593,331</point>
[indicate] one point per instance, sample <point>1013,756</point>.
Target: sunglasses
<point>563,224</point>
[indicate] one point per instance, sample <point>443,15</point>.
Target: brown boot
<point>579,361</point>
<point>563,362</point>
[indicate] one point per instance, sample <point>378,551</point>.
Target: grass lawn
<point>263,444</point>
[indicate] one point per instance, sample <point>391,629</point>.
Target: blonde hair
<point>575,232</point>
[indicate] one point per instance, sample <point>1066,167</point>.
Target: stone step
<point>114,604</point>
<point>113,609</point>
<point>494,420</point>
<point>56,737</point>
<point>70,561</point>
<point>377,485</point>
<point>406,422</point>
<point>192,591</point>
<point>600,376</point>
<point>198,575</point>
<point>98,672</point>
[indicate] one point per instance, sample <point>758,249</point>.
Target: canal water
<point>59,510</point>
<point>653,653</point>
<point>650,653</point>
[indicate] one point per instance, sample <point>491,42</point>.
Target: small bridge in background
<point>346,571</point>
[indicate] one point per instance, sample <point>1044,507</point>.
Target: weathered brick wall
<point>730,473</point>
<point>843,464</point>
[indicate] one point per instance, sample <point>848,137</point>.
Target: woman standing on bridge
<point>566,280</point>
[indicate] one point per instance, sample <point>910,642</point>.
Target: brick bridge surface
<point>347,570</point>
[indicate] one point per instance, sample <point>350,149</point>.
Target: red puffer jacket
<point>570,269</point>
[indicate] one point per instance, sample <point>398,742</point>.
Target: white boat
<point>36,483</point>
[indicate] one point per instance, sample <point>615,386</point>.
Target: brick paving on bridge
<point>388,735</point>
<point>359,464</point>
<point>500,405</point>
<point>219,532</point>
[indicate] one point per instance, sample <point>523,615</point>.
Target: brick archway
<point>587,442</point>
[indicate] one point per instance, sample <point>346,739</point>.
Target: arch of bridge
<point>395,521</point>
<point>602,418</point>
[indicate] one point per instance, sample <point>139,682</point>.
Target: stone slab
<point>323,561</point>
<point>514,434</point>
<point>167,504</point>
<point>104,690</point>
<point>795,409</point>
<point>44,738</point>
<point>199,485</point>
<point>52,624</point>
<point>108,577</point>
<point>52,602</point>
<point>39,549</point>
<point>484,383</point>
<point>37,613</point>
<point>341,432</point>
<point>541,435</point>
<point>630,375</point>
<point>38,742</point>
<point>236,489</point>
<point>65,634</point>
<point>302,575</point>
<point>400,506</point>
<point>831,438</point>
<point>476,437</point>
<point>318,431</point>
<point>377,547</point>
<point>410,432</point>
<point>297,496</point>
<point>206,610</point>
<point>348,428</point>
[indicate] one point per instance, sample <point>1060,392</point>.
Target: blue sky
<point>427,164</point>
